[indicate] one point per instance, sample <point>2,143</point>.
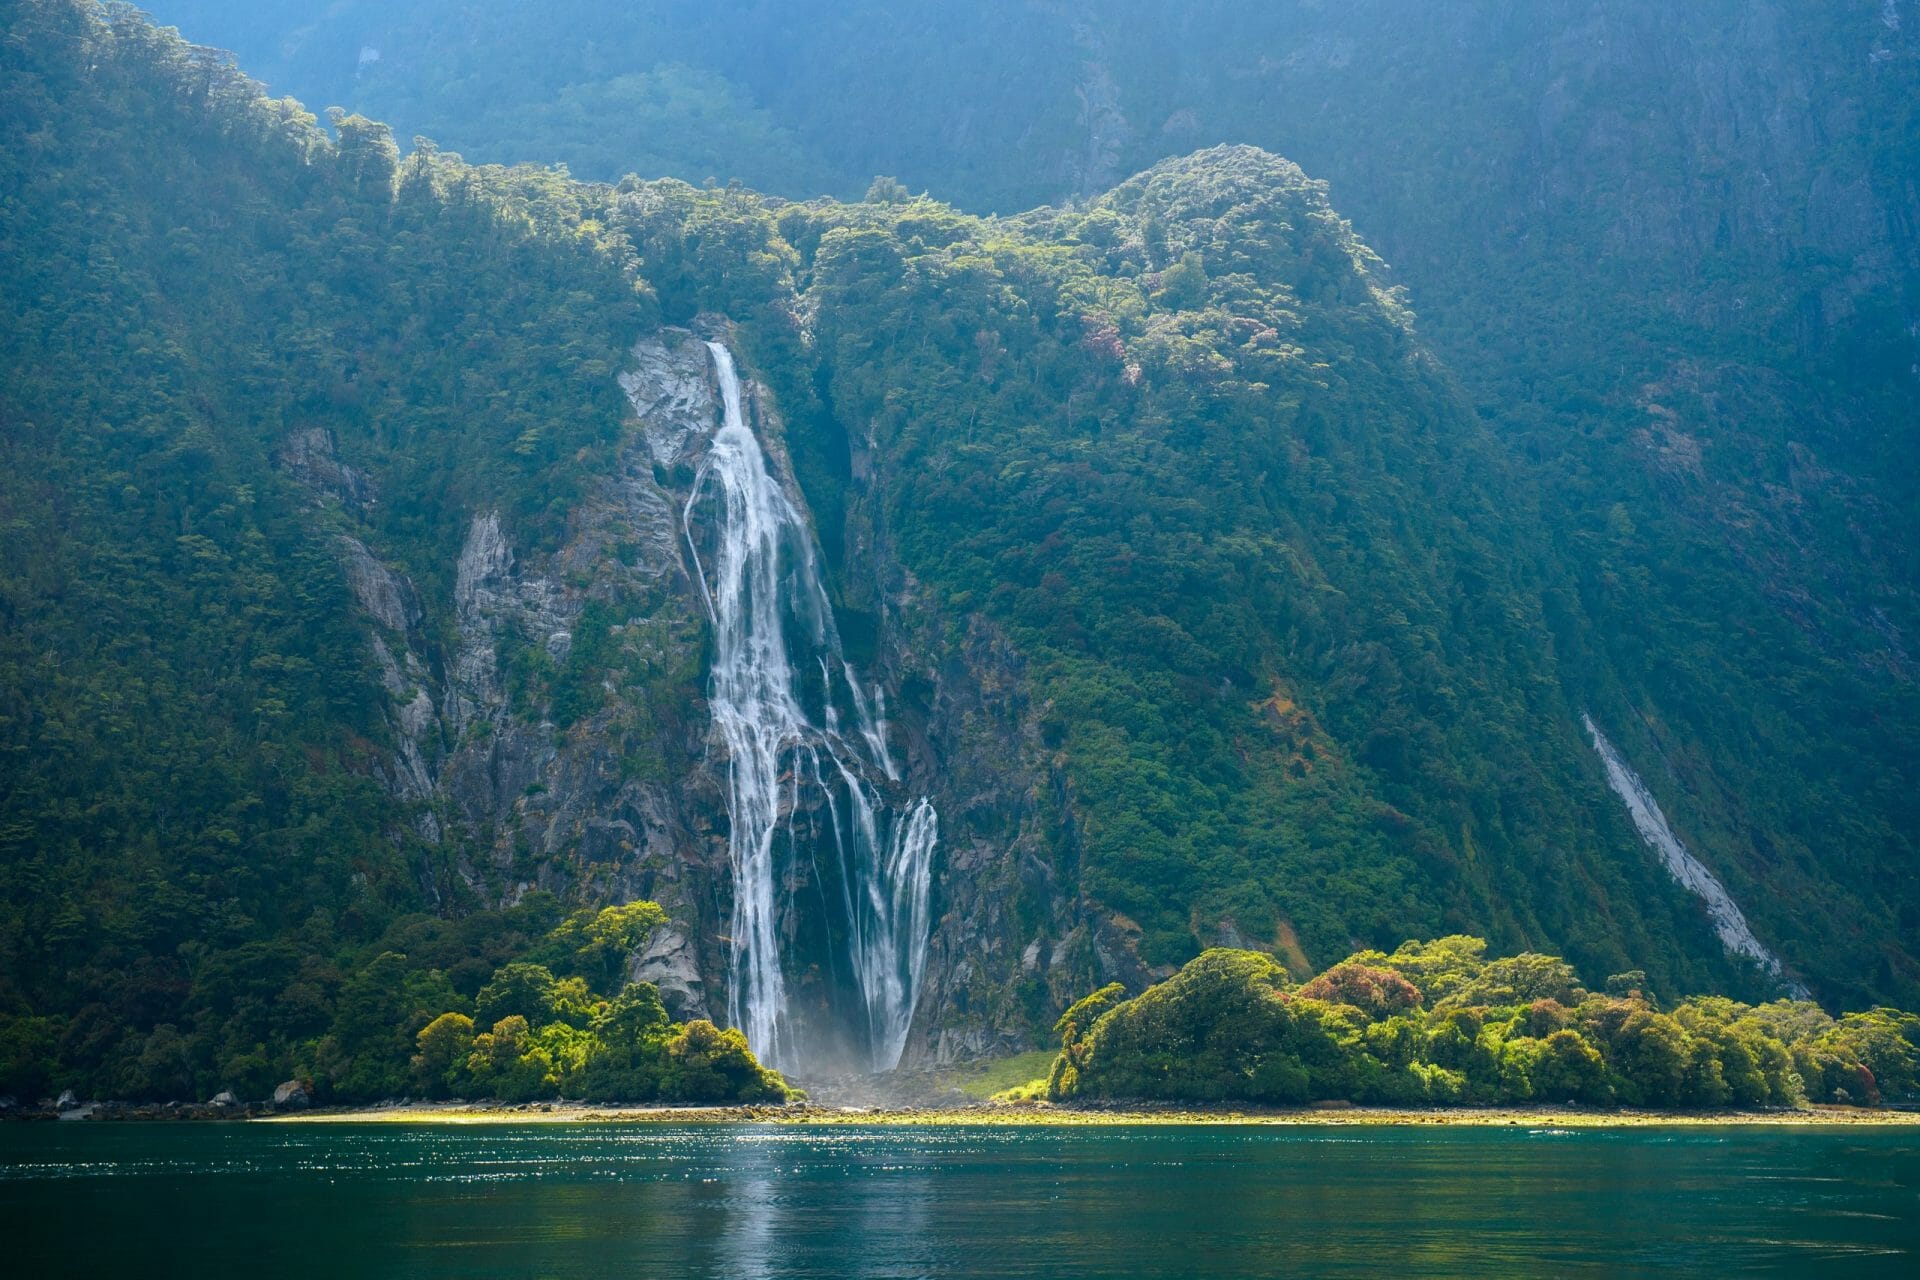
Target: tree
<point>381,1006</point>
<point>1183,286</point>
<point>1570,1069</point>
<point>1202,1034</point>
<point>628,1059</point>
<point>1438,968</point>
<point>1650,1056</point>
<point>508,1064</point>
<point>706,1064</point>
<point>602,941</point>
<point>28,1048</point>
<point>367,154</point>
<point>1456,1042</point>
<point>634,1019</point>
<point>1378,993</point>
<point>1519,979</point>
<point>440,1066</point>
<point>1072,1027</point>
<point>520,989</point>
<point>1887,1043</point>
<point>1630,983</point>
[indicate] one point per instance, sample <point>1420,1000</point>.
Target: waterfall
<point>1728,920</point>
<point>769,608</point>
<point>893,952</point>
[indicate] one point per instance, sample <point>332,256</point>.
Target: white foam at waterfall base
<point>896,953</point>
<point>765,570</point>
<point>1728,920</point>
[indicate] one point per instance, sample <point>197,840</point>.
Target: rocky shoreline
<point>1029,1114</point>
<point>1041,1114</point>
<point>115,1110</point>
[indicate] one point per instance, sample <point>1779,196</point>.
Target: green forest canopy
<point>1310,648</point>
<point>1438,1023</point>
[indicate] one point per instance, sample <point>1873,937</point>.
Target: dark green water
<point>655,1200</point>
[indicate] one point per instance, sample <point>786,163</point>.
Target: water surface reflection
<point>764,1201</point>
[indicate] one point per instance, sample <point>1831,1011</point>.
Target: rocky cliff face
<point>615,804</point>
<point>627,799</point>
<point>1011,940</point>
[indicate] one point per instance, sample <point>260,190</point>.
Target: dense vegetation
<point>1552,180</point>
<point>197,859</point>
<point>1310,664</point>
<point>1691,330</point>
<point>515,1004</point>
<point>1437,1022</point>
<point>555,1036</point>
<point>1306,643</point>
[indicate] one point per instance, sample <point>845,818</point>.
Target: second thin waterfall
<point>788,756</point>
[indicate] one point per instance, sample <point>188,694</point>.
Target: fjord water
<point>787,1201</point>
<point>761,584</point>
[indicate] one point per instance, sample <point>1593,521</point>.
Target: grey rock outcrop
<point>671,398</point>
<point>308,456</point>
<point>671,962</point>
<point>387,597</point>
<point>551,731</point>
<point>608,797</point>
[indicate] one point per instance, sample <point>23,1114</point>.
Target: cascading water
<point>768,607</point>
<point>1728,920</point>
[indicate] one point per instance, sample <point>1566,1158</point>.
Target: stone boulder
<point>292,1096</point>
<point>67,1100</point>
<point>224,1098</point>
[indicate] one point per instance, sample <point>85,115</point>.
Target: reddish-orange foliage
<point>1379,992</point>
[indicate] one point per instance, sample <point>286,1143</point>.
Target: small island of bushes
<point>1438,1024</point>
<point>532,1034</point>
<point>510,1006</point>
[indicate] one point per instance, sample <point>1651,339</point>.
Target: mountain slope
<point>350,628</point>
<point>205,295</point>
<point>1289,638</point>
<point>1668,251</point>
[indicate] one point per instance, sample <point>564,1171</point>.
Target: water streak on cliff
<point>1728,920</point>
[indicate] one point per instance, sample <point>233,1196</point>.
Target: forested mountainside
<point>200,823</point>
<point>358,625</point>
<point>1670,244</point>
<point>1669,250</point>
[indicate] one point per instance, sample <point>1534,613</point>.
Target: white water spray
<point>1728,920</point>
<point>891,949</point>
<point>765,574</point>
